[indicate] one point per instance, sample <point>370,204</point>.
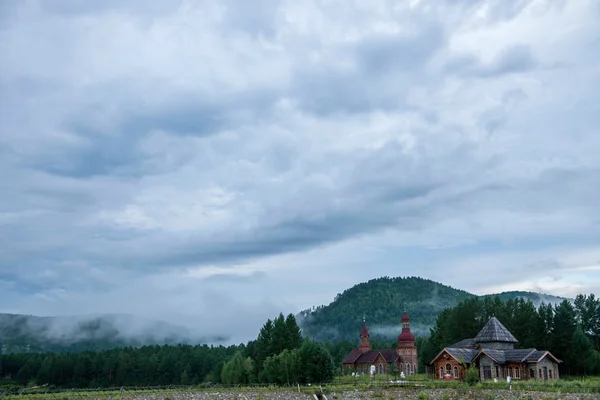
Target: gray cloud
<point>176,154</point>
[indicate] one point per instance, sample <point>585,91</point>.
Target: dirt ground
<point>433,394</point>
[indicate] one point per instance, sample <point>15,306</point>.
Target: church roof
<point>462,354</point>
<point>358,357</point>
<point>465,343</point>
<point>494,331</point>
<point>364,332</point>
<point>516,355</point>
<point>352,356</point>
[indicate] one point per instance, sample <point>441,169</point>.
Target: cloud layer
<point>193,159</point>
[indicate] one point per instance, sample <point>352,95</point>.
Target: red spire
<point>406,336</point>
<point>364,332</point>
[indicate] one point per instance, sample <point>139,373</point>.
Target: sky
<point>217,162</point>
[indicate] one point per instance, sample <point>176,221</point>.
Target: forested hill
<point>383,301</point>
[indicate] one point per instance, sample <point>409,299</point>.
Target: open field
<point>342,388</point>
<point>388,394</point>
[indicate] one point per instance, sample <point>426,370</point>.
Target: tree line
<point>278,355</point>
<point>570,331</point>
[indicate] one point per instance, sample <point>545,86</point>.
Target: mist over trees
<point>278,355</point>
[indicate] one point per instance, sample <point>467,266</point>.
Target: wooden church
<point>404,357</point>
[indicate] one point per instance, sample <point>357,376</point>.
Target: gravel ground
<point>441,394</point>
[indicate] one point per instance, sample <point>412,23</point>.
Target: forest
<point>282,354</point>
<point>279,354</point>
<point>570,331</point>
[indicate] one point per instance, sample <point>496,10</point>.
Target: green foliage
<point>383,301</point>
<point>316,363</point>
<point>277,342</point>
<point>472,375</point>
<point>581,355</point>
<point>587,310</point>
<point>238,370</point>
<point>545,328</point>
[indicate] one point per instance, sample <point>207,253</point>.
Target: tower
<point>406,348</point>
<point>364,338</point>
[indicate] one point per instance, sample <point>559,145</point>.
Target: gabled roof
<point>460,354</point>
<point>496,355</point>
<point>494,331</point>
<point>352,356</point>
<point>539,355</point>
<point>465,343</point>
<point>516,355</point>
<point>358,357</point>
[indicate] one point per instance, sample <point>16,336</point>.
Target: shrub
<point>472,375</point>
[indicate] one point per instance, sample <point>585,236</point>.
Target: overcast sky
<point>218,162</point>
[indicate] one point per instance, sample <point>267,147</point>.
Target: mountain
<point>382,302</point>
<point>25,333</point>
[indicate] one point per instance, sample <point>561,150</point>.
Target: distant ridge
<point>26,333</point>
<point>383,300</point>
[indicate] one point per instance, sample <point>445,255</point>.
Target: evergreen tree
<point>581,355</point>
<point>563,329</point>
<point>294,335</point>
<point>316,363</point>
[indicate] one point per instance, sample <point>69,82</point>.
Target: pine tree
<point>316,363</point>
<point>294,335</point>
<point>279,336</point>
<point>563,328</point>
<point>581,354</point>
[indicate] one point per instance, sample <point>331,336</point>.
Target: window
<point>407,369</point>
<point>381,368</point>
<point>448,369</point>
<point>550,373</point>
<point>497,372</point>
<point>441,372</point>
<point>517,372</point>
<point>510,372</point>
<point>487,372</point>
<point>456,372</point>
<point>540,373</point>
<point>414,369</point>
<point>531,373</point>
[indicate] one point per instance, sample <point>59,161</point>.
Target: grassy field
<point>339,385</point>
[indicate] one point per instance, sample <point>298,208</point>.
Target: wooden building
<point>404,357</point>
<point>493,352</point>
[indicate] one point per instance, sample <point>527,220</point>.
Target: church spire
<point>364,337</point>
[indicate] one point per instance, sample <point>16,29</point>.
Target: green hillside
<point>382,301</point>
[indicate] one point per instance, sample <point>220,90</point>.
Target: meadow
<point>382,386</point>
